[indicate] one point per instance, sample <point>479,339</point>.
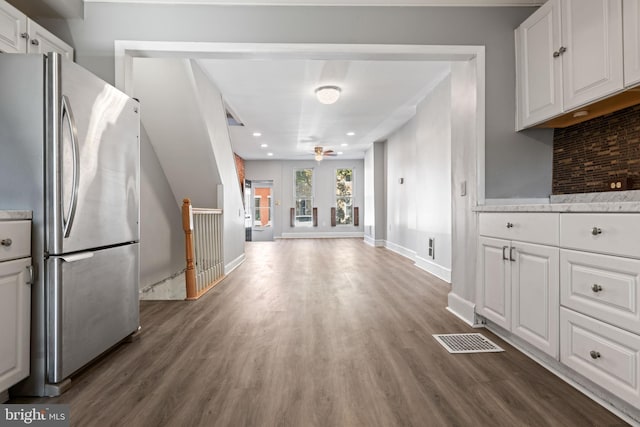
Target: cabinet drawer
<point>528,227</point>
<point>615,234</point>
<point>601,286</point>
<point>606,355</point>
<point>16,238</point>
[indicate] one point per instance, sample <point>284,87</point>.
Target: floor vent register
<point>467,343</point>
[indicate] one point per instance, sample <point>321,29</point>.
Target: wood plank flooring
<point>327,332</point>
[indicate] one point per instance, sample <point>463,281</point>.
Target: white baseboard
<point>378,243</point>
<point>433,268</point>
<point>401,250</point>
<point>323,235</point>
<point>461,308</point>
<point>228,268</point>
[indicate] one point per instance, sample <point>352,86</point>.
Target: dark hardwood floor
<point>318,333</point>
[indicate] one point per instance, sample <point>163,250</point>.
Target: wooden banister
<point>187,226</point>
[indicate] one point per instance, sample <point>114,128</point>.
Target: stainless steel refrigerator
<point>69,151</point>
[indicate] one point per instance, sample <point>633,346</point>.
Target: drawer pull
<point>6,242</point>
<point>504,257</point>
<point>596,230</point>
<point>509,225</point>
<point>594,354</point>
<point>596,288</point>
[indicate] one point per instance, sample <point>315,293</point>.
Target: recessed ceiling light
<point>328,94</point>
<point>270,154</point>
<point>256,134</point>
<point>264,145</point>
<point>344,144</point>
<point>350,133</point>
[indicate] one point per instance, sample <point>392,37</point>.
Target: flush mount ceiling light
<point>328,94</point>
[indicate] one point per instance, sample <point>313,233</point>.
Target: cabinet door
<point>13,27</point>
<point>493,287</point>
<point>42,41</point>
<point>631,25</point>
<point>15,311</point>
<point>592,64</point>
<point>535,295</point>
<point>539,72</point>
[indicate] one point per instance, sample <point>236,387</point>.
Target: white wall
<point>170,114</point>
<point>213,114</point>
<point>419,207</point>
<point>281,172</point>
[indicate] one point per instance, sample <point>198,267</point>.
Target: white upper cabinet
<point>592,55</point>
<point>569,53</point>
<point>13,27</point>
<point>42,41</point>
<point>539,71</point>
<point>19,34</point>
<point>631,25</point>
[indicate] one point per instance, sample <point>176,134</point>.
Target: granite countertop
<point>615,201</point>
<point>15,215</point>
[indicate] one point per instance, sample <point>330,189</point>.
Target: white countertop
<point>15,215</point>
<point>563,207</point>
<point>612,201</point>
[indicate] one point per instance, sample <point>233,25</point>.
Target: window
<point>303,181</point>
<point>344,196</point>
<point>257,203</point>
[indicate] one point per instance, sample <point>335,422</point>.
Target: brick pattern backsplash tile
<point>589,155</point>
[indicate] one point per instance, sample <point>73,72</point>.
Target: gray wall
<point>517,164</point>
<point>161,235</point>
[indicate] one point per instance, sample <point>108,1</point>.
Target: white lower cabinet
<point>518,282</point>
<point>15,304</point>
<point>605,354</point>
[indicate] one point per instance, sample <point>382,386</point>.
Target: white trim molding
<point>401,250</point>
<point>398,3</point>
<point>377,243</point>
<point>433,268</point>
<point>228,268</point>
<point>462,309</point>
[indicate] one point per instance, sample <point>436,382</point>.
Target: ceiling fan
<point>320,153</point>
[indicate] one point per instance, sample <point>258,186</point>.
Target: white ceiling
<point>276,98</point>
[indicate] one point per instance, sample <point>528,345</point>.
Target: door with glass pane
<point>262,210</point>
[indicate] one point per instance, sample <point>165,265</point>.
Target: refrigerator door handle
<point>76,257</point>
<point>68,113</point>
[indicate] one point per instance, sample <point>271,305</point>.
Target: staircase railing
<point>203,246</point>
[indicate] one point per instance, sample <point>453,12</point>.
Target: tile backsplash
<point>589,155</point>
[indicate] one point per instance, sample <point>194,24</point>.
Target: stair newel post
<point>187,226</point>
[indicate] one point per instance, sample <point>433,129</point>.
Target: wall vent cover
<point>467,343</point>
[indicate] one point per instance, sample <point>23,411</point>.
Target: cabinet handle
<point>6,242</point>
<point>35,42</point>
<point>509,225</point>
<point>30,274</point>
<point>596,230</point>
<point>25,36</point>
<point>594,354</point>
<point>596,288</point>
<point>511,257</point>
<point>559,52</point>
<point>504,256</point>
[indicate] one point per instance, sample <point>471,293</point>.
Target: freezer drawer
<point>92,305</point>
